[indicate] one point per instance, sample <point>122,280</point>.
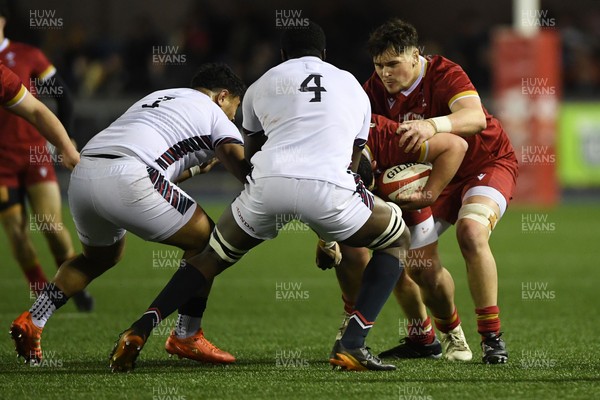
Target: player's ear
<point>374,165</point>
<point>222,97</point>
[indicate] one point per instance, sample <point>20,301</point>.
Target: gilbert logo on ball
<point>403,179</point>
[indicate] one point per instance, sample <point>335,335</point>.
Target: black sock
<point>194,307</point>
<point>182,286</point>
<point>380,277</point>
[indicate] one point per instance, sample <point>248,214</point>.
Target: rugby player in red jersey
<point>427,95</point>
<point>26,167</point>
<point>430,95</point>
<point>15,98</point>
<point>445,152</point>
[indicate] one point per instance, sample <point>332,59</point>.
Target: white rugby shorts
<point>333,212</point>
<point>111,196</point>
<point>423,233</point>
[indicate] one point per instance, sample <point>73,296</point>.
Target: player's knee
<point>17,236</point>
<point>471,235</point>
<point>396,236</point>
<point>425,277</point>
<point>482,214</point>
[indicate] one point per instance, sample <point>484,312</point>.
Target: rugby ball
<point>403,179</point>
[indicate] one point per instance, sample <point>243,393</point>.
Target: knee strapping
<point>481,213</point>
<point>226,251</point>
<point>393,231</point>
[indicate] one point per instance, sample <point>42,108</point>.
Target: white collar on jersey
<point>4,44</point>
<point>419,78</point>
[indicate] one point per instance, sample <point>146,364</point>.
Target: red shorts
<point>23,167</point>
<point>501,175</point>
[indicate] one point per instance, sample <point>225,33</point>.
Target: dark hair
<point>395,35</point>
<point>303,41</point>
<point>213,76</point>
<point>365,171</point>
<point>4,9</point>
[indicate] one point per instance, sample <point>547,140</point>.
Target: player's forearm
<point>232,157</point>
<point>465,122</point>
<point>446,153</point>
<point>51,128</point>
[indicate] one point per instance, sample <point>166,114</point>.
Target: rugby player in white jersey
<point>322,115</point>
<point>124,183</point>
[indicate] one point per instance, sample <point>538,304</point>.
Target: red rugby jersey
<point>28,63</point>
<point>12,91</point>
<point>383,144</point>
<point>441,83</point>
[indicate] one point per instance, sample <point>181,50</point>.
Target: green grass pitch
<point>278,314</point>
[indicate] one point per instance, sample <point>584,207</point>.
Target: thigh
<point>383,228</point>
<point>194,235</point>
<point>45,200</point>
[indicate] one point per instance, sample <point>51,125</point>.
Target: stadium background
<point>112,52</point>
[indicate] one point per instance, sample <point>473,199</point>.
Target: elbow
<point>481,122</point>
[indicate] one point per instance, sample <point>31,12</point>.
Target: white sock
<point>42,310</point>
<point>187,326</point>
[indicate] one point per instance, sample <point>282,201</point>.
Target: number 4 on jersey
<point>156,103</point>
<point>317,89</point>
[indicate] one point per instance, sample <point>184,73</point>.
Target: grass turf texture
<point>282,344</point>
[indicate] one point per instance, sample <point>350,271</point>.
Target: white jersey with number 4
<point>312,114</point>
<point>169,130</point>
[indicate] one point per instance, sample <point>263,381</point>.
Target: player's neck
<point>416,72</point>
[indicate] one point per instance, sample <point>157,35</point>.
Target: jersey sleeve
<point>384,144</point>
<point>12,91</point>
<point>250,123</point>
<point>42,68</point>
<point>453,83</point>
<point>224,131</point>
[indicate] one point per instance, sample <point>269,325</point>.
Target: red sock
<point>37,279</point>
<point>488,320</point>
<point>447,324</point>
<point>348,305</point>
<point>421,332</point>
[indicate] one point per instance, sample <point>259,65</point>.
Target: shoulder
<point>24,49</point>
<point>439,65</point>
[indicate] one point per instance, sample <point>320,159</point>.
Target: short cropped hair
<point>218,76</point>
<point>395,35</point>
<point>365,171</point>
<point>303,41</point>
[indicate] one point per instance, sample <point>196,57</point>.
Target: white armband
<point>442,124</point>
<point>195,170</point>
